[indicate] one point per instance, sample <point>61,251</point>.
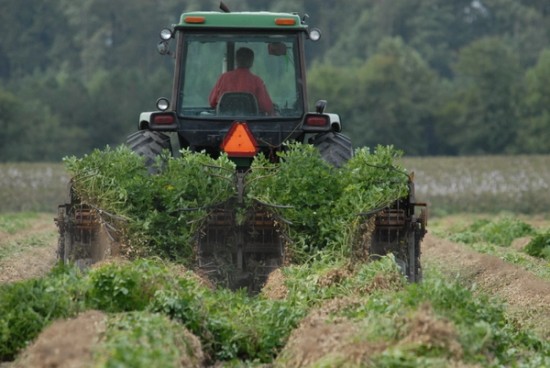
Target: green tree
<point>396,92</point>
<point>482,114</point>
<point>335,85</point>
<point>433,27</point>
<point>34,36</point>
<point>523,28</point>
<point>8,126</point>
<point>116,97</point>
<point>534,135</point>
<point>387,100</point>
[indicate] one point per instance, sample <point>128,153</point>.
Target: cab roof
<point>242,20</point>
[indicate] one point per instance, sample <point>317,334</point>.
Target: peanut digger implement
<point>235,246</point>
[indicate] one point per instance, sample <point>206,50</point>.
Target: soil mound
<point>520,243</point>
<point>321,339</point>
<point>428,330</point>
<point>527,296</point>
<point>66,343</point>
<point>274,287</point>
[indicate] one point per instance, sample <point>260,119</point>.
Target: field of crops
<point>518,184</point>
<point>32,186</point>
<point>326,313</point>
<point>484,301</point>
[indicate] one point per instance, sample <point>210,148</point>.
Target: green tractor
<point>203,118</point>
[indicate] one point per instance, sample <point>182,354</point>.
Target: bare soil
<point>30,262</point>
<point>66,343</point>
<point>527,296</point>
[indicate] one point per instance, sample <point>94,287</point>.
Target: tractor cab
<point>268,94</point>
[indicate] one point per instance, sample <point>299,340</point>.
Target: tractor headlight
<point>315,34</point>
<point>163,104</point>
<point>166,34</point>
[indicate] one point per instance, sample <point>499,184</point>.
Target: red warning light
<point>239,141</point>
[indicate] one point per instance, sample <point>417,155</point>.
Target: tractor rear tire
<point>150,145</point>
<point>335,148</point>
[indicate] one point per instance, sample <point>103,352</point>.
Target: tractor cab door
<point>208,57</point>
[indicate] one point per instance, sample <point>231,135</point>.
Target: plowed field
<point>28,251</point>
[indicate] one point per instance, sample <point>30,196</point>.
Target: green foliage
<point>236,327</point>
<point>141,339</point>
<point>485,100</point>
<point>8,114</point>
<point>393,93</point>
<point>324,204</point>
<point>501,231</point>
<point>302,182</point>
<point>484,330</point>
<point>398,92</point>
<point>534,135</point>
<point>162,212</point>
<point>13,222</point>
<point>244,328</point>
<point>119,287</point>
<point>471,326</point>
<point>369,181</point>
<point>72,76</point>
<point>27,307</point>
<point>539,246</point>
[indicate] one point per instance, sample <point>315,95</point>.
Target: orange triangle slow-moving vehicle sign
<point>239,141</point>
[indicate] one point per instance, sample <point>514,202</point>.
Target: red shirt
<point>242,80</point>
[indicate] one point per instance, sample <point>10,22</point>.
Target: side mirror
<point>165,35</point>
<point>163,48</point>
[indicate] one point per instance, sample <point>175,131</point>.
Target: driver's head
<point>245,57</point>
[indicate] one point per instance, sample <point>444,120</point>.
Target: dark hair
<point>245,57</point>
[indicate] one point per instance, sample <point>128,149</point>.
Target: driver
<point>242,80</point>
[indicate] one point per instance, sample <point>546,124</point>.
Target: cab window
<point>206,57</point>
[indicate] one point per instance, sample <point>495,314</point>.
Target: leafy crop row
<point>143,339</point>
<point>322,203</point>
<point>500,231</point>
<point>431,324</point>
<point>539,246</point>
<point>161,213</point>
<point>494,236</point>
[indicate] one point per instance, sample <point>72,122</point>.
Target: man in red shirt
<point>242,80</point>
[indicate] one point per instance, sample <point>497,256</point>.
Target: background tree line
<point>432,77</point>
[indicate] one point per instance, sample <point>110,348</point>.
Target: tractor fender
<point>144,120</point>
<point>335,123</point>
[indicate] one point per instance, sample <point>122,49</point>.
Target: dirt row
<point>527,296</point>
<point>29,262</point>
